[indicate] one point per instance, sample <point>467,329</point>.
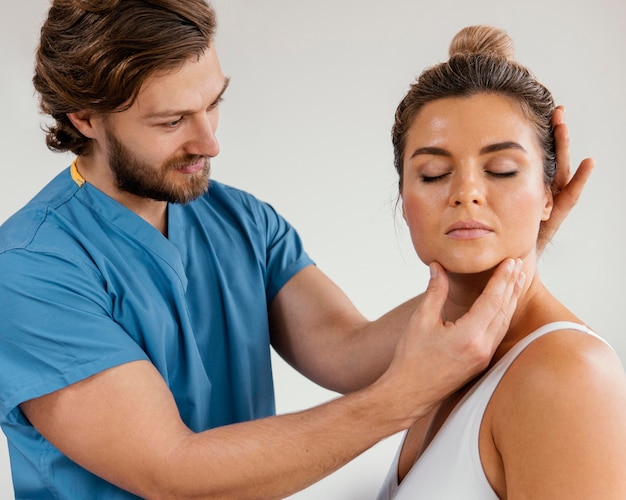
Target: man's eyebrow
<point>165,113</point>
<point>491,148</point>
<point>224,87</point>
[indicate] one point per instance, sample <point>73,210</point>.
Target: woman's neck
<point>463,290</point>
<point>536,306</point>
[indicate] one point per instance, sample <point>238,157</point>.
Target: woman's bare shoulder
<point>561,355</point>
<point>566,391</point>
<point>562,365</point>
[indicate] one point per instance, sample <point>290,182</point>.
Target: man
<point>139,301</point>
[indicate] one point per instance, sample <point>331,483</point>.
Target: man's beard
<point>144,180</point>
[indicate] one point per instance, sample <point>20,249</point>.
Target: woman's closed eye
<point>433,178</point>
<point>502,167</point>
<point>501,175</point>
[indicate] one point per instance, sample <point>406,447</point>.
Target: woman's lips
<point>467,230</point>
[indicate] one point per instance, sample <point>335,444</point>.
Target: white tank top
<point>450,467</point>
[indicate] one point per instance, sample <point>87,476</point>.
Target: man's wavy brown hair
<point>96,54</point>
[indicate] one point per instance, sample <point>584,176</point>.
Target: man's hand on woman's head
<point>567,188</point>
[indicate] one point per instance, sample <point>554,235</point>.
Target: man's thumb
<point>437,290</point>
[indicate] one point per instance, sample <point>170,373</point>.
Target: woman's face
<point>473,192</point>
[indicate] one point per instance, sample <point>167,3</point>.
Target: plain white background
<point>305,126</point>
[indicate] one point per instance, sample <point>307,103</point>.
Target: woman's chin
<point>469,268</point>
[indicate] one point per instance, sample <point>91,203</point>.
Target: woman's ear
<point>547,209</point>
<point>403,210</point>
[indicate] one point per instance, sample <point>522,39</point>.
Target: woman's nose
<point>467,189</point>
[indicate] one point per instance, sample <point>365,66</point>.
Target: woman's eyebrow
<point>501,146</point>
<point>491,148</point>
<point>431,150</point>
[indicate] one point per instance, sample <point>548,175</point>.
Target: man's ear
<point>84,123</point>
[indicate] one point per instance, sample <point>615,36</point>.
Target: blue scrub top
<point>86,284</point>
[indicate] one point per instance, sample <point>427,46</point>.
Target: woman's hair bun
<point>482,40</point>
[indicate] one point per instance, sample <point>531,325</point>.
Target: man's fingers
<point>444,355</point>
<point>566,190</point>
<point>561,140</point>
<point>435,296</point>
<point>558,116</point>
<point>491,313</point>
<point>565,200</point>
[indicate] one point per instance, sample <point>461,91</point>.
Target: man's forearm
<point>375,342</point>
<point>278,456</point>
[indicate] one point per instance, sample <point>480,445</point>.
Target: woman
<point>475,155</point>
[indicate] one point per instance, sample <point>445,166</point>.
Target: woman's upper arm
<point>561,429</point>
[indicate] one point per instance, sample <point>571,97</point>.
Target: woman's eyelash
<point>512,173</point>
<point>432,178</point>
<point>500,175</point>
